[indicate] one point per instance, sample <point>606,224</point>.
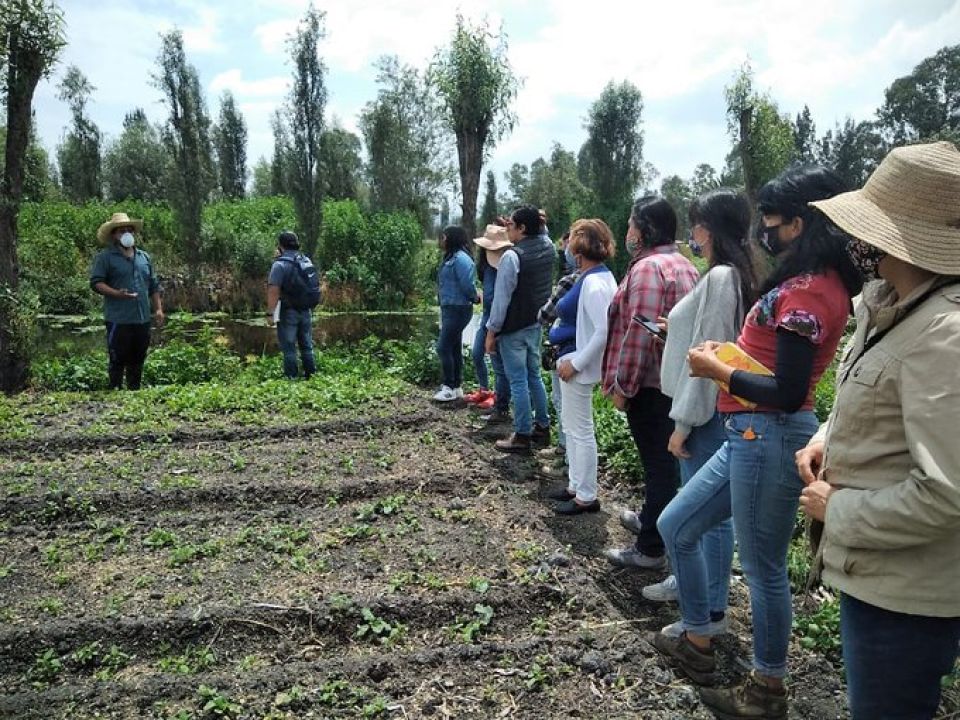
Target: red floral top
<point>814,306</point>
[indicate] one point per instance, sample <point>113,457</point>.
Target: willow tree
<point>230,141</point>
<point>478,88</point>
<point>308,97</point>
<point>79,153</point>
<point>31,38</point>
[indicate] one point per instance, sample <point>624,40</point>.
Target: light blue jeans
<point>756,481</point>
<point>709,556</point>
<point>520,353</point>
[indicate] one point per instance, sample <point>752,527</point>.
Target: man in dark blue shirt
<point>124,275</point>
<point>294,325</point>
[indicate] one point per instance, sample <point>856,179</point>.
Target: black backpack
<point>301,289</point>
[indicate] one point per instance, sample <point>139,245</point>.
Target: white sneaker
<point>677,628</point>
<point>459,393</point>
<point>630,521</point>
<point>631,557</point>
<point>445,394</point>
<point>665,591</point>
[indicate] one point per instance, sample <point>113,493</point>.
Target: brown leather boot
<point>515,443</point>
<point>751,700</point>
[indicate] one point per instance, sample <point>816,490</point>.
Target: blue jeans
<point>295,329</point>
<point>894,662</point>
<point>520,353</point>
<point>501,385</point>
<point>756,481</point>
<point>700,558</point>
<point>453,319</point>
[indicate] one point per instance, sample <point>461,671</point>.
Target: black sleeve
<point>788,387</point>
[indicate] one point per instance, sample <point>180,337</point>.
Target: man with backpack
<point>294,284</point>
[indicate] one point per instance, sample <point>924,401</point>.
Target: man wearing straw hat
<point>124,275</point>
<point>883,474</point>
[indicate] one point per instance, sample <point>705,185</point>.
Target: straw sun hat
<point>117,220</point>
<point>494,238</point>
<point>909,208</point>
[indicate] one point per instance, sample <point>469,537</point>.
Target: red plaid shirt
<point>655,282</point>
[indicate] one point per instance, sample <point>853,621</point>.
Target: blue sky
<point>837,56</point>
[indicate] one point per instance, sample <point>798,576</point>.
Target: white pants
<point>555,383</point>
<point>577,412</point>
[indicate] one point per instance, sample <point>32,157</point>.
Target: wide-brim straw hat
<point>909,208</point>
<point>493,240</point>
<point>117,220</point>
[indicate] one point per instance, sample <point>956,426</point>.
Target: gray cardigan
<point>711,311</point>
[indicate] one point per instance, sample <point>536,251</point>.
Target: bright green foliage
<point>342,165</point>
<point>820,630</point>
<point>478,88</point>
<point>135,165</point>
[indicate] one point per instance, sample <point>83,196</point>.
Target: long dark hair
<point>455,238</point>
<point>656,220</point>
<point>821,245</point>
<point>725,213</point>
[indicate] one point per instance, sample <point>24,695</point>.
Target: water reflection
<point>68,335</point>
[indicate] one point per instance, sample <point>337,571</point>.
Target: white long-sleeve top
<point>595,297</point>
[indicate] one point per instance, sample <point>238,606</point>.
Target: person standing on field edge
<point>292,280</point>
<point>123,274</point>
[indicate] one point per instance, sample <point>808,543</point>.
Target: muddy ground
<point>389,563</point>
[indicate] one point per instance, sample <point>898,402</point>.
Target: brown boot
<point>516,443</point>
<point>752,700</point>
<point>699,665</point>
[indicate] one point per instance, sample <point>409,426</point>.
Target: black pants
<point>127,346</point>
<point>648,415</point>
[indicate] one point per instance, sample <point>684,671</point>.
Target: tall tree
<point>490,209</point>
<point>763,139</point>
<point>279,163</point>
<point>38,181</point>
<point>925,105</point>
<point>677,191</point>
<point>31,38</point>
<point>342,164</point>
<point>410,161</point>
<point>555,187</point>
<point>230,138</point>
<point>704,179</point>
<point>135,165</point>
<point>261,179</point>
<point>187,138</point>
<point>518,185</point>
<point>308,98</point>
<point>478,88</point>
<point>805,137</point>
<point>853,150</point>
<point>79,153</point>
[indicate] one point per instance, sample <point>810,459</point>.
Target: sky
<point>836,56</point>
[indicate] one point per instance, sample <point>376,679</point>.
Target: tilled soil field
<point>386,564</point>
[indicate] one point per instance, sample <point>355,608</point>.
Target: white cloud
<point>272,35</point>
<point>271,87</point>
<point>203,37</point>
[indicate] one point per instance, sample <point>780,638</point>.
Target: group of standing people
<point>717,376</point>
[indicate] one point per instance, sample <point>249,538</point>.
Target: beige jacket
<point>892,533</point>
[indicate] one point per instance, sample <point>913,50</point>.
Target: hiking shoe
<point>699,665</point>
<point>540,435</point>
<point>664,591</point>
<point>515,443</point>
<point>572,507</point>
<point>561,493</point>
<point>752,699</point>
<point>716,627</point>
<point>497,417</point>
<point>446,394</point>
<point>630,521</point>
<point>631,557</point>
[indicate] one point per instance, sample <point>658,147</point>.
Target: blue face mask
<point>568,257</point>
<point>696,248</point>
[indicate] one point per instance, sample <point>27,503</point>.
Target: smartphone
<point>650,326</point>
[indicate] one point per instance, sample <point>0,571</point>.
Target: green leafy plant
<point>468,630</point>
<point>377,628</point>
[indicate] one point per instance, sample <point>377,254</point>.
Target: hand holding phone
<point>651,327</point>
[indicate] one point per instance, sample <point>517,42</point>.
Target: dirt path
<point>377,565</point>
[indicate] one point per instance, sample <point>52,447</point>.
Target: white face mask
<point>127,240</point>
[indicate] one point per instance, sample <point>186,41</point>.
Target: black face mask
<point>768,236</point>
<point>866,258</point>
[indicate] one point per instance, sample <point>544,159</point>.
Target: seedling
<point>376,627</point>
<point>469,629</point>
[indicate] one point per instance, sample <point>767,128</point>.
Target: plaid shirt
<point>548,313</point>
<point>655,282</point>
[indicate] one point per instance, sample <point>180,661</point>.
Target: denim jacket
<point>112,267</point>
<point>455,280</point>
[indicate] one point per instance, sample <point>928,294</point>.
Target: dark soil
<point>366,567</point>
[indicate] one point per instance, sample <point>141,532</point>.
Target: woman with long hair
<point>793,331</point>
<point>457,294</point>
<point>714,309</point>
